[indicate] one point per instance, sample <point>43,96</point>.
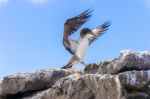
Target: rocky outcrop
<point>125,77</point>
<point>127,61</point>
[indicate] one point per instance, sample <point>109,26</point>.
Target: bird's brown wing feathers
<point>97,32</point>
<point>73,24</point>
<point>72,46</point>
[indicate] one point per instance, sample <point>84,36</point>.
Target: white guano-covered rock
<point>23,82</point>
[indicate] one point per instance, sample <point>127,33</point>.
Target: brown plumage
<point>73,24</point>
<point>84,32</point>
<point>99,31</point>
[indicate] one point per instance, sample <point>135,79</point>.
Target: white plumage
<point>82,48</point>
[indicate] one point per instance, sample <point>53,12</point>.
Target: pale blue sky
<point>31,31</point>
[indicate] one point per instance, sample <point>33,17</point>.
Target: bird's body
<point>79,47</point>
<point>80,53</point>
<point>82,48</point>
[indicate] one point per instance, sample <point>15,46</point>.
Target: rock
<point>125,77</point>
<point>127,61</point>
<point>135,80</point>
<point>91,68</point>
<point>23,82</point>
<point>83,87</point>
<point>137,95</point>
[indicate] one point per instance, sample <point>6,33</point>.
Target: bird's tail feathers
<point>69,65</point>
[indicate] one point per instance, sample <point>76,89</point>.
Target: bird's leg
<point>72,61</point>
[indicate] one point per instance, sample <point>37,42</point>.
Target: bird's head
<point>84,32</point>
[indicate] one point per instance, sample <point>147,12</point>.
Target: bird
<point>79,47</point>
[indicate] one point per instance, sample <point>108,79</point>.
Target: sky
<point>31,31</point>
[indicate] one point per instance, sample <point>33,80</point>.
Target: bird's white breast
<point>82,48</point>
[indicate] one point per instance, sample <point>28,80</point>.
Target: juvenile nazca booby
<point>79,47</point>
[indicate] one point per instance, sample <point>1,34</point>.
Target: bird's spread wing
<point>72,46</point>
<point>72,25</point>
<point>97,32</point>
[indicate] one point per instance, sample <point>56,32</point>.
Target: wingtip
<point>88,12</point>
<point>105,26</point>
<point>108,23</point>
